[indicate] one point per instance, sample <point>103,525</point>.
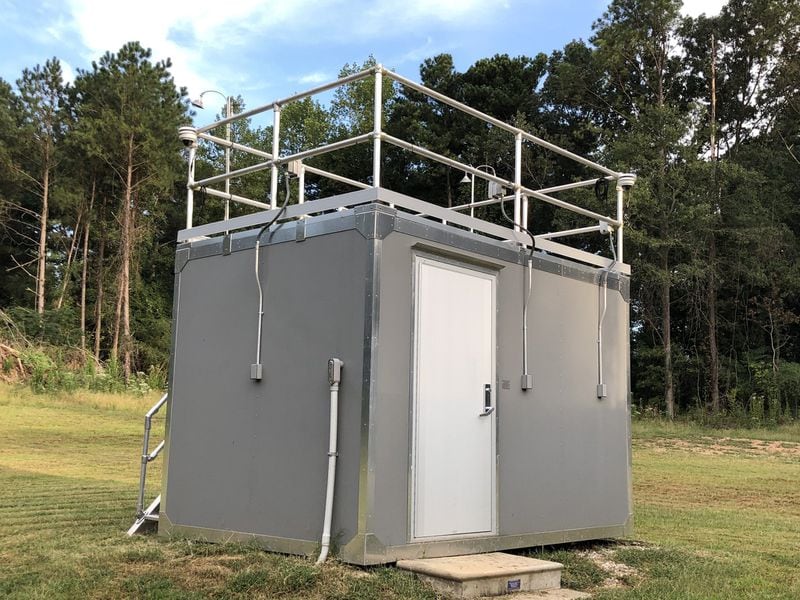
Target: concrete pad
<point>492,574</point>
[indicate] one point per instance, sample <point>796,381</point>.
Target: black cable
<point>513,222</point>
<point>601,189</point>
<point>280,212</point>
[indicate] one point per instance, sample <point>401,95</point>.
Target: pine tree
<point>128,110</point>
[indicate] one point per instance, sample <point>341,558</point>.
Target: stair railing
<point>147,456</point>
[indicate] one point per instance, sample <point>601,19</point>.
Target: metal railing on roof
<point>295,162</point>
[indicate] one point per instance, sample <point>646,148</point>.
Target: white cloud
<point>315,77</point>
<point>695,8</point>
<point>440,10</point>
<point>106,26</point>
<point>416,55</point>
<point>67,72</point>
<point>201,37</point>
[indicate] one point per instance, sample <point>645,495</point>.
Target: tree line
<point>705,110</point>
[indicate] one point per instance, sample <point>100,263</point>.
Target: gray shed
<point>483,400</point>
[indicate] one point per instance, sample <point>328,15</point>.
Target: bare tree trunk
<point>669,392</point>
<point>83,268</point>
<point>73,251</point>
<point>98,312</point>
<point>117,320</point>
<point>713,350</point>
<point>666,285</point>
<point>125,276</point>
<point>41,271</point>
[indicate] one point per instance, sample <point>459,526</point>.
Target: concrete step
<point>559,594</point>
<point>493,574</point>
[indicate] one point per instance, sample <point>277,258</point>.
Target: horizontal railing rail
<point>296,163</point>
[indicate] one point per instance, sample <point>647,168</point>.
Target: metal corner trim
<point>181,258</point>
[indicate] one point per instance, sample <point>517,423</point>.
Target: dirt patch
<point>619,574</point>
<point>710,446</point>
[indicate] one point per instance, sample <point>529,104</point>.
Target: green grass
<point>719,511</point>
<point>717,516</point>
<point>69,467</point>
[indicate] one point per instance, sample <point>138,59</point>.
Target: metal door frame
<point>469,267</point>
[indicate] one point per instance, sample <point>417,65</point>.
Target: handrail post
<point>276,148</point>
<point>376,132</point>
<point>146,458</point>
<point>228,109</point>
<point>517,179</point>
<point>620,214</point>
<point>143,471</point>
<point>525,211</point>
<point>189,190</point>
<point>301,183</point>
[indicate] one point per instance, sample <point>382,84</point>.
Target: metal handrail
<point>520,195</point>
<point>147,456</point>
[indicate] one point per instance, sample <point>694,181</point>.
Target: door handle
<point>487,401</point>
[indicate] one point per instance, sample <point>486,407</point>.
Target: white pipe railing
<point>334,177</point>
<point>147,456</point>
<point>498,123</point>
<point>520,192</point>
<point>234,198</point>
<point>568,232</point>
<point>284,160</point>
<point>233,145</point>
<point>276,150</point>
<point>376,133</point>
<point>517,180</point>
<point>283,101</point>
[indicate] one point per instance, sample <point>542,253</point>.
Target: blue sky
<point>266,49</point>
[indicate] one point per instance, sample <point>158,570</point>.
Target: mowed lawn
<point>717,516</point>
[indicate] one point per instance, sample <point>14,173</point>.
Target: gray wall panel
<point>252,456</point>
<point>391,418</point>
<point>563,452</point>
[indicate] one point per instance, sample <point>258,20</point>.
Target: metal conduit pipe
<point>334,377</point>
<point>602,392</point>
<point>256,369</point>
<point>527,378</point>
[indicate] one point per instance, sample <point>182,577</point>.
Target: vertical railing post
<point>189,190</point>
<point>620,217</point>
<point>517,179</point>
<point>143,468</point>
<point>276,148</point>
<point>376,132</point>
<point>524,212</point>
<point>228,107</point>
<point>301,183</point>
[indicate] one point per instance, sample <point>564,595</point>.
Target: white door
<point>453,458</point>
